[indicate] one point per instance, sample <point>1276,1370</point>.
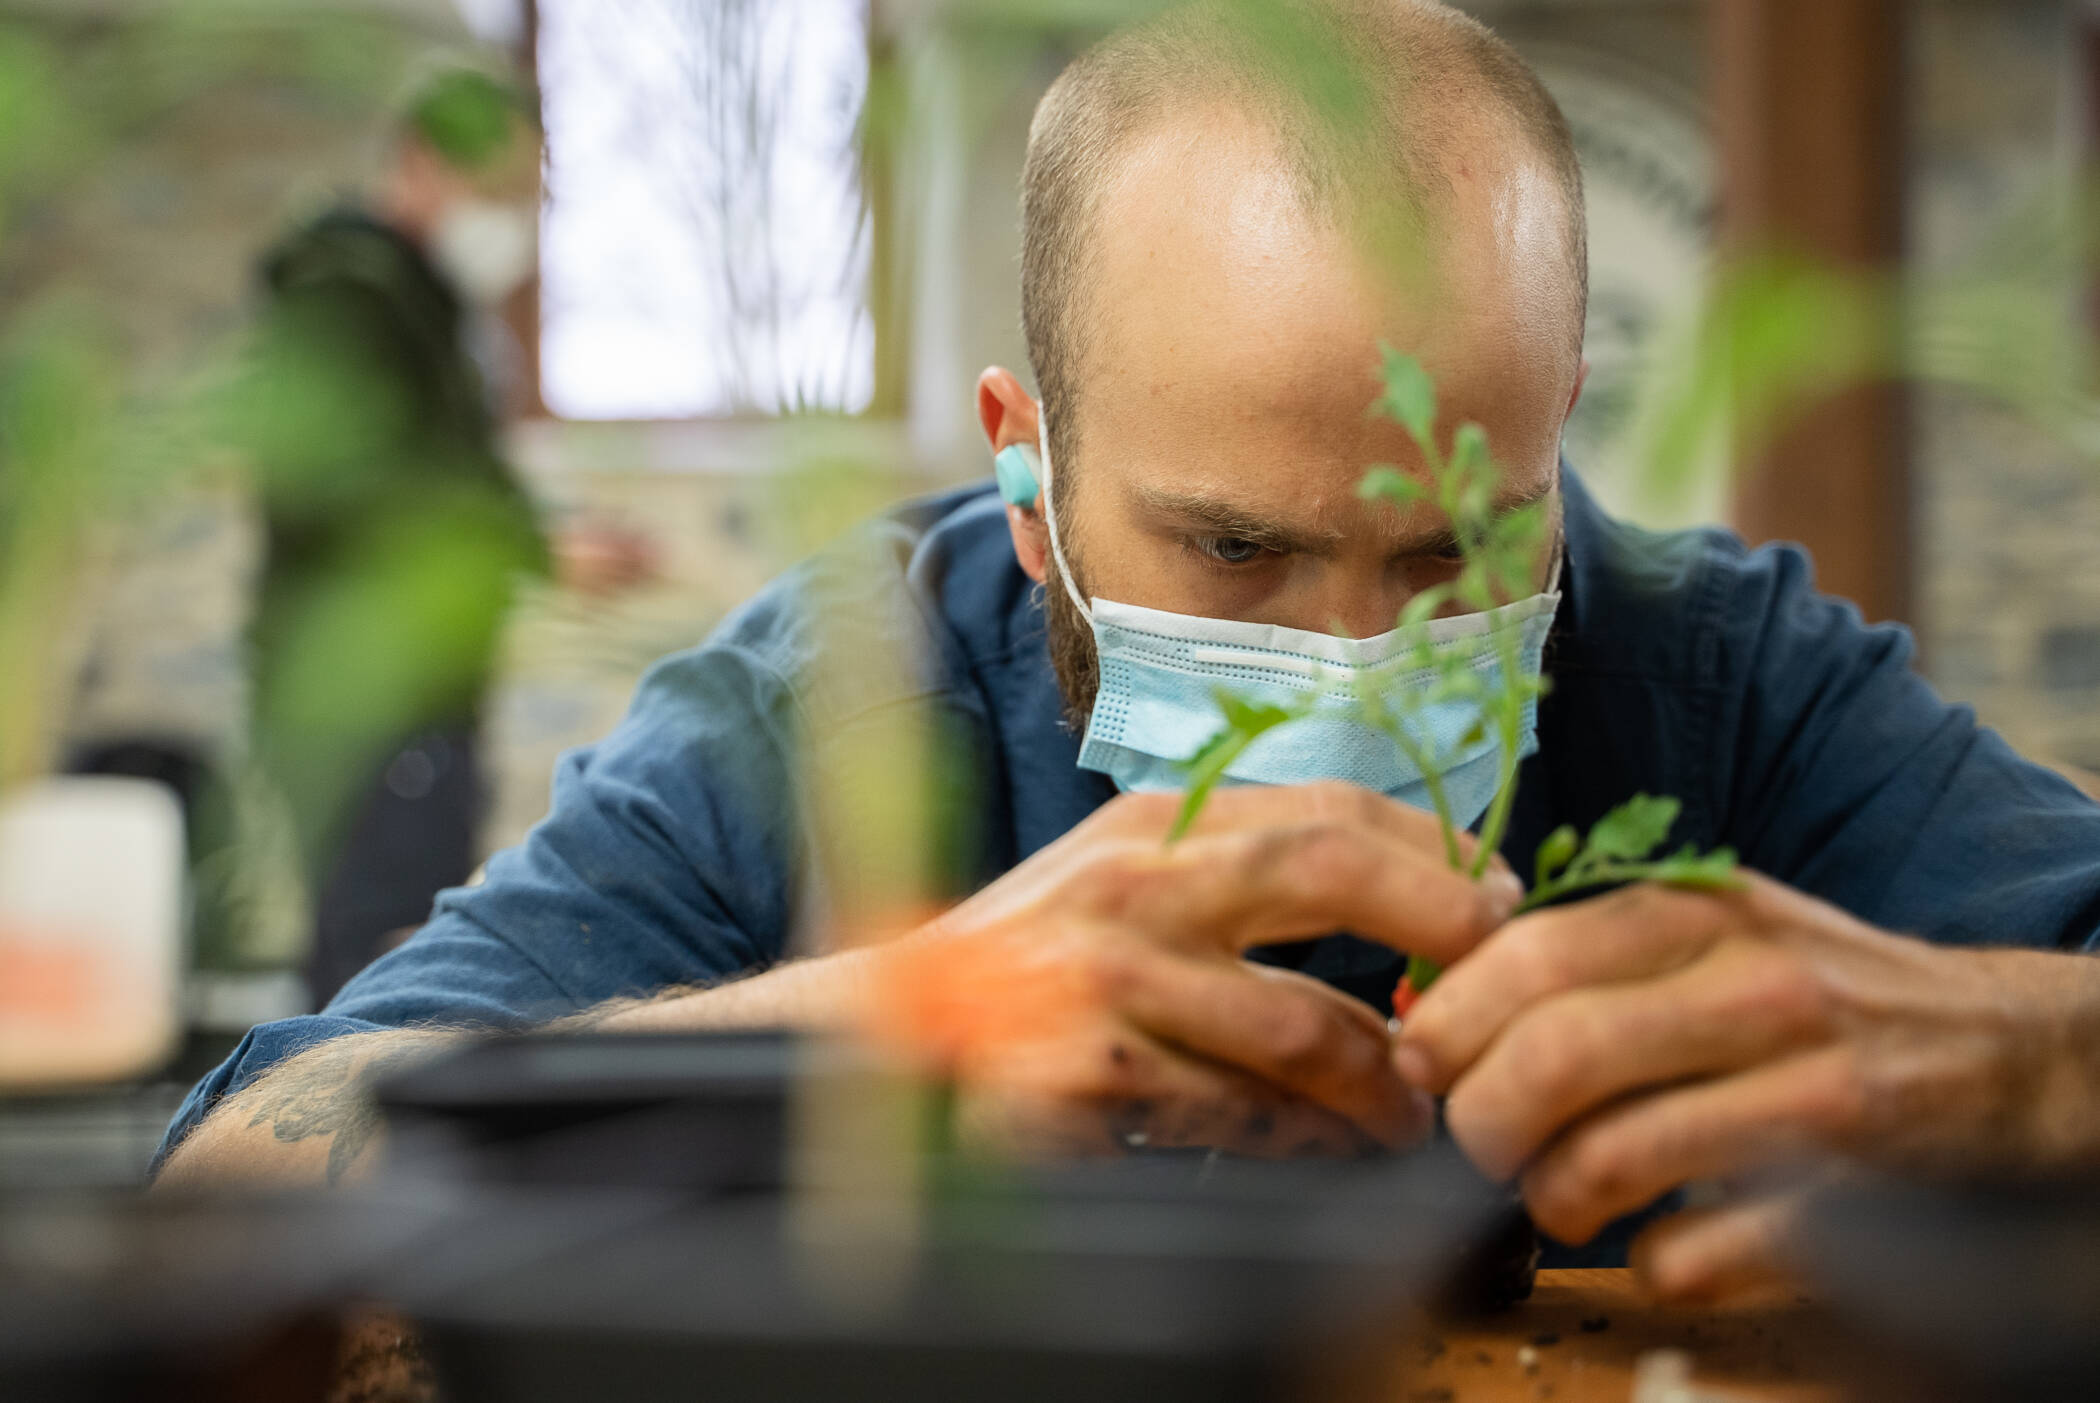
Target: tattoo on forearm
<point>328,1092</point>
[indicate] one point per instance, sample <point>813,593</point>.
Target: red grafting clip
<point>1404,997</point>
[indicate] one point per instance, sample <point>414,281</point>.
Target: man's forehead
<point>1208,189</point>
<point>1212,289</point>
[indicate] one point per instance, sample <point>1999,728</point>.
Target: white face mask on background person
<point>487,250</point>
<point>1155,705</point>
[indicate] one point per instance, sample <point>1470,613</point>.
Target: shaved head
<point>1227,211</point>
<point>1366,106</point>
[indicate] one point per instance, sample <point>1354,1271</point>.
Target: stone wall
<point>2008,519</point>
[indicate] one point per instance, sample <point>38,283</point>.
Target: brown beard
<point>1071,642</point>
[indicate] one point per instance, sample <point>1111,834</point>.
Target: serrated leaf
<point>1410,397</point>
<point>1555,853</point>
<point>1634,829</point>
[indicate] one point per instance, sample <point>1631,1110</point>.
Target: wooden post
<point>522,312</point>
<point>1809,99</point>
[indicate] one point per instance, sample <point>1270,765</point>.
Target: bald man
<point>1208,275</point>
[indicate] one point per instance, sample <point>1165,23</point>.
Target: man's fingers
<point>1275,1127</point>
<point>1241,889</point>
<point>1137,1093</point>
<point>1630,1155</point>
<point>1732,1253</point>
<point>1118,863</point>
<point>1632,934</point>
<point>1741,1004</point>
<point>1330,801</point>
<point>1289,1031</point>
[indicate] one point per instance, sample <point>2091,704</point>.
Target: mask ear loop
<point>1057,550</point>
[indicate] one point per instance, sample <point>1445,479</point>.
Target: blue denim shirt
<point>1683,664</point>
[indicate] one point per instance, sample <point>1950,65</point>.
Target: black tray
<point>1162,1276</point>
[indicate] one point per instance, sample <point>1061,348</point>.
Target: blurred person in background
<point>394,529</point>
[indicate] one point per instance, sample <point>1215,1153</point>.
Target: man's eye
<point>1231,550</point>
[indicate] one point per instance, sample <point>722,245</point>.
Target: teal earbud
<point>1019,470</point>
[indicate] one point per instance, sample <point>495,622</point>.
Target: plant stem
<point>1508,721</point>
<point>1606,874</point>
<point>1433,781</point>
<point>1199,793</point>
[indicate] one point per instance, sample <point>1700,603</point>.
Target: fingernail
<point>1505,891</point>
<point>1414,1066</point>
<point>1421,1113</point>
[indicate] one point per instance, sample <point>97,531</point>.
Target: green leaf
<point>1459,684</point>
<point>1424,606</point>
<point>1476,504</point>
<point>1251,718</point>
<point>1633,830</point>
<point>1204,752</point>
<point>1387,483</point>
<point>1410,397</point>
<point>1469,452</point>
<point>1690,868</point>
<point>1244,722</point>
<point>1555,853</point>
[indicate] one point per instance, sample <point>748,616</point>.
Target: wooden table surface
<point>1582,1333</point>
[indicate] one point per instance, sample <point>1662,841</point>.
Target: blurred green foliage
<point>94,432</point>
<point>468,116</point>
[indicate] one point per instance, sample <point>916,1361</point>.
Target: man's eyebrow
<point>1444,541</point>
<point>1222,518</point>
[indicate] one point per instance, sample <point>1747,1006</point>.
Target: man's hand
<point>1607,1052</point>
<point>1092,998</point>
<point>1095,998</point>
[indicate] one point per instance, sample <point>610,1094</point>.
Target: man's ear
<point>1582,377</point>
<point>1009,416</point>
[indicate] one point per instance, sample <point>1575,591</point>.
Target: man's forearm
<point>307,1121</point>
<point>312,1120</point>
<point>805,994</point>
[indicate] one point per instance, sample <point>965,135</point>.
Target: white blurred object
<point>1665,1376</point>
<point>706,240</point>
<point>498,22</point>
<point>488,250</point>
<point>91,896</point>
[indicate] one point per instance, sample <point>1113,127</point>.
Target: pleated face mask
<point>1160,673</point>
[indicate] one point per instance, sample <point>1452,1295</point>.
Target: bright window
<point>705,242</point>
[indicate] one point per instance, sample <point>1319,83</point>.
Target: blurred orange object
<point>50,980</point>
<point>601,560</point>
<point>91,900</point>
<point>954,1003</point>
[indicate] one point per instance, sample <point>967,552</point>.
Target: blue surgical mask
<point>1156,704</point>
